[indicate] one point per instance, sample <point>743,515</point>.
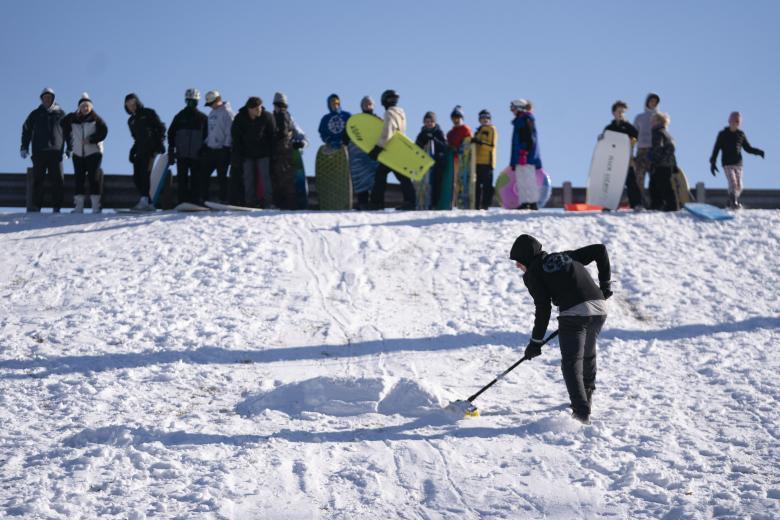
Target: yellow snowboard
<point>400,154</point>
<point>681,188</point>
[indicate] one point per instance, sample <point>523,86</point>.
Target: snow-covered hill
<point>276,365</point>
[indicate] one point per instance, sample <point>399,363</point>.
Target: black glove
<point>713,169</point>
<point>374,153</point>
<point>760,152</point>
<point>297,145</point>
<point>171,159</point>
<point>131,157</point>
<point>606,289</point>
<point>533,349</point>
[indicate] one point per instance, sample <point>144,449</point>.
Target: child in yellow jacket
<point>485,139</point>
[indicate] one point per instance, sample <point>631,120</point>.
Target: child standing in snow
<point>485,140</point>
<point>459,131</point>
<point>431,136</point>
<point>562,279</point>
<point>664,164</point>
<point>525,150</point>
<point>620,125</point>
<point>731,140</point>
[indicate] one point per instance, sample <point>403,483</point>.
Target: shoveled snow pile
<point>294,365</point>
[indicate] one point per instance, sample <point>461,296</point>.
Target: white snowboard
<point>228,207</point>
<point>527,186</point>
<point>608,170</point>
<point>158,178</point>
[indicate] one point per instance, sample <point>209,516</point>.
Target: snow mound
<point>345,397</point>
<point>119,436</point>
<point>560,423</point>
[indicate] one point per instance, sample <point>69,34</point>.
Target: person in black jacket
<point>253,133</point>
<point>85,132</point>
<point>186,139</point>
<point>619,124</point>
<point>148,134</point>
<point>431,138</point>
<point>731,140</point>
<point>664,165</point>
<point>561,279</point>
<point>43,129</point>
<point>282,175</point>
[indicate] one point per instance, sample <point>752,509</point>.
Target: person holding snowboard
<point>394,121</point>
<point>186,137</point>
<point>148,134</point>
<point>644,125</point>
<point>620,125</point>
<point>562,279</point>
<point>253,133</point>
<point>43,129</point>
<point>432,137</point>
<point>459,131</point>
<point>525,145</point>
<point>485,139</point>
<point>664,165</point>
<point>85,132</point>
<point>216,151</point>
<point>362,168</point>
<point>730,141</point>
<point>333,125</point>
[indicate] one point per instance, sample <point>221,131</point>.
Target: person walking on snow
<point>85,132</point>
<point>485,139</point>
<point>216,152</point>
<point>432,136</point>
<point>43,129</point>
<point>333,125</point>
<point>394,121</point>
<point>562,279</point>
<point>148,134</point>
<point>620,125</point>
<point>644,125</point>
<point>186,137</point>
<point>730,141</point>
<point>525,150</point>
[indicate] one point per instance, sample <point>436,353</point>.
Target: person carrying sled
<point>362,168</point>
<point>485,139</point>
<point>85,132</point>
<point>562,279</point>
<point>731,140</point>
<point>394,121</point>
<point>620,125</point>
<point>148,134</point>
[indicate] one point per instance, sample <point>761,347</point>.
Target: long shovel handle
<point>505,372</point>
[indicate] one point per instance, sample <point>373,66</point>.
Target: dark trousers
<point>88,168</point>
<point>484,192</point>
<point>187,180</point>
<point>633,188</point>
<point>47,164</point>
<point>142,171</point>
<point>437,174</point>
<point>577,337</point>
<point>662,195</point>
<point>283,177</point>
<point>215,159</point>
<point>380,183</point>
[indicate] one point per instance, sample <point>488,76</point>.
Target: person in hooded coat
<point>333,125</point>
<point>562,279</point>
<point>43,129</point>
<point>216,152</point>
<point>432,136</point>
<point>148,134</point>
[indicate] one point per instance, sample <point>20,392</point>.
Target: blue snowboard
<point>707,211</point>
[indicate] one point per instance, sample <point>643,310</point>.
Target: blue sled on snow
<point>707,211</point>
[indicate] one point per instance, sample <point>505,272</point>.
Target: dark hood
<point>138,101</point>
<point>333,96</point>
<point>652,95</point>
<point>525,249</point>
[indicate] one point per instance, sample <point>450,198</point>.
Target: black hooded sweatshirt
<point>253,138</point>
<point>559,278</point>
<point>146,128</point>
<point>435,134</point>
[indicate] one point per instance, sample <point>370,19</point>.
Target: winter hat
<point>457,112</point>
<point>280,99</point>
<point>389,98</point>
<point>211,97</point>
<point>429,115</point>
<point>485,113</point>
<point>650,96</point>
<point>520,104</point>
<point>192,93</point>
<point>253,102</point>
<point>84,99</point>
<point>525,249</point>
<point>45,91</point>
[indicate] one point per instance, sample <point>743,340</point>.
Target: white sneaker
<point>96,207</point>
<point>143,204</point>
<point>78,202</point>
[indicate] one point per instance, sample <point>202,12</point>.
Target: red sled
<point>582,207</point>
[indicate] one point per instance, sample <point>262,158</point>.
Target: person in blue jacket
<point>333,125</point>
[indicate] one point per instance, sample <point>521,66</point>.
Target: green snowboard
<point>301,188</point>
<point>332,178</point>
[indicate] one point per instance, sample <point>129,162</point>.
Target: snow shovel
<point>467,408</point>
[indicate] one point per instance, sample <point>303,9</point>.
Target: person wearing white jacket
<point>216,154</point>
<point>84,133</point>
<point>394,121</point>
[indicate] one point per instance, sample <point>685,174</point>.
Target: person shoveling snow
<point>562,279</point>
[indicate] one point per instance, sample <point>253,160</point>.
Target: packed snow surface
<point>295,366</point>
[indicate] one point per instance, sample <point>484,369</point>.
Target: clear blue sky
<point>572,59</point>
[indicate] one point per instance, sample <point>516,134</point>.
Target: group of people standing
<point>257,144</point>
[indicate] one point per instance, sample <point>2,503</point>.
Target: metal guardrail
<point>119,192</point>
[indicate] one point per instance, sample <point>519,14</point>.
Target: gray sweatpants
<point>577,337</point>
